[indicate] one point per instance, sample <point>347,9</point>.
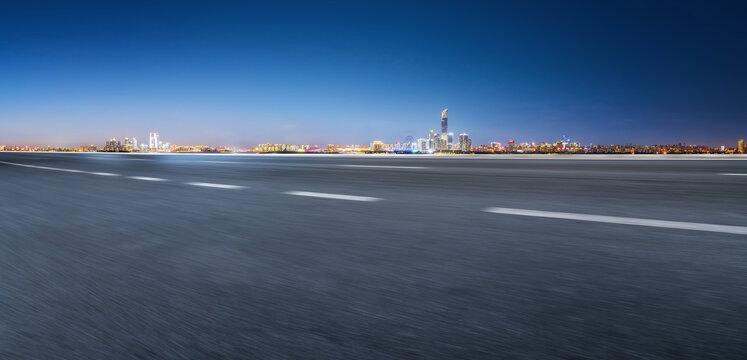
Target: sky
<point>240,73</point>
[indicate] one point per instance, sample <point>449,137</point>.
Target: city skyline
<point>294,72</point>
<point>444,141</point>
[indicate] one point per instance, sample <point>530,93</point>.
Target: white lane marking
<point>219,162</point>
<point>42,167</point>
<point>733,174</point>
<point>141,159</point>
<point>385,166</point>
<point>332,196</point>
<point>729,229</point>
<point>220,186</point>
<point>146,178</point>
<point>60,169</point>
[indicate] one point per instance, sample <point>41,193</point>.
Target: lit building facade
<point>444,130</point>
<point>155,142</point>
<point>130,144</point>
<point>422,144</point>
<point>113,145</point>
<point>465,144</point>
<point>377,146</point>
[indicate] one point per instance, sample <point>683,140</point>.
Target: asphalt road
<point>106,256</point>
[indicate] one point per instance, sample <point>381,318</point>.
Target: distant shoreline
<point>436,156</point>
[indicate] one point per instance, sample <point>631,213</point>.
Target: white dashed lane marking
<point>147,178</point>
<point>219,186</point>
<point>42,167</point>
<point>729,229</point>
<point>384,166</point>
<point>733,174</point>
<point>332,196</point>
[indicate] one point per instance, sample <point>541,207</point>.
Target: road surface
<point>112,256</point>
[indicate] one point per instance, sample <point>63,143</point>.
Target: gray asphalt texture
<point>99,267</point>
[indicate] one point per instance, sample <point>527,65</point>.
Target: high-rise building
<point>130,144</point>
<point>450,141</point>
<point>422,144</point>
<point>444,128</point>
<point>155,142</point>
<point>377,145</point>
<point>740,147</point>
<point>113,145</point>
<point>465,143</point>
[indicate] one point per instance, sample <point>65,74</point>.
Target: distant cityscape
<point>443,142</point>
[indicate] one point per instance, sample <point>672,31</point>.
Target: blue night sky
<point>318,72</point>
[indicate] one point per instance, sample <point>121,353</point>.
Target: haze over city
<point>240,74</point>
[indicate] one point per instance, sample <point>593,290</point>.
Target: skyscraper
<point>113,145</point>
<point>444,128</point>
<point>740,147</point>
<point>422,144</point>
<point>130,144</point>
<point>155,142</point>
<point>465,144</point>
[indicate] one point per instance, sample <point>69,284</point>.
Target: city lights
<point>436,143</point>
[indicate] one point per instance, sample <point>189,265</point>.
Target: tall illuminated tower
<point>154,142</point>
<point>444,124</point>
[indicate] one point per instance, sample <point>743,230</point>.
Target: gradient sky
<point>317,72</point>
